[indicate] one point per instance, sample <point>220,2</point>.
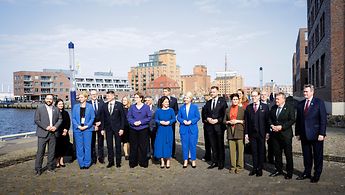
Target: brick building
<point>228,82</point>
<point>300,62</point>
<point>326,42</point>
<point>155,88</point>
<point>198,83</point>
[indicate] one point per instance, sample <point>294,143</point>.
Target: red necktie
<point>306,107</point>
<point>255,107</point>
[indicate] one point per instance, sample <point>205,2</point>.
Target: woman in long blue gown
<point>164,118</point>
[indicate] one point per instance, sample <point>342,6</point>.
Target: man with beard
<point>48,119</point>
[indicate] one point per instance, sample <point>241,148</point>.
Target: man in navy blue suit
<point>311,130</point>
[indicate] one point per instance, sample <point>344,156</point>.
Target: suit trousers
<point>100,146</point>
<point>41,147</point>
<point>280,144</point>
<point>236,148</point>
<point>138,140</point>
<point>207,155</point>
<point>258,146</point>
<point>152,138</point>
<point>83,147</point>
<point>189,142</point>
<point>312,151</point>
<point>217,144</point>
<point>110,136</point>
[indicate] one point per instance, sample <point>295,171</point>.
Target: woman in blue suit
<point>83,116</point>
<point>188,116</point>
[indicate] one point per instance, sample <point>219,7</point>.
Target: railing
<point>2,138</point>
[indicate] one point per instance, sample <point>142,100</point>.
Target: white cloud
<point>208,6</point>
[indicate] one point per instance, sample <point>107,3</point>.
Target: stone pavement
<point>19,178</point>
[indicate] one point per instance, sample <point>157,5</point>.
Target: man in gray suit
<point>48,119</point>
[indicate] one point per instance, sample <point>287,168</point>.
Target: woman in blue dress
<point>164,118</point>
<point>188,117</point>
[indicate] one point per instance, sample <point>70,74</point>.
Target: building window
<point>312,74</point>
<point>322,26</point>
<point>306,50</point>
<point>317,74</point>
<point>306,64</point>
<point>322,70</point>
<point>61,84</point>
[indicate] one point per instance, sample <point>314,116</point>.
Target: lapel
<point>282,111</point>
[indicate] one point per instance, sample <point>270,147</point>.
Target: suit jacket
<point>193,116</point>
<point>313,123</point>
<point>116,120</point>
<point>286,119</point>
<point>173,104</point>
<point>152,123</point>
<point>42,120</point>
<point>263,120</point>
<point>217,113</point>
<point>89,117</point>
<point>236,132</point>
<point>100,104</point>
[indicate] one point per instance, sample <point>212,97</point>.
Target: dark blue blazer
<point>173,104</point>
<point>89,117</point>
<point>263,123</point>
<point>313,123</point>
<point>116,120</point>
<point>98,113</point>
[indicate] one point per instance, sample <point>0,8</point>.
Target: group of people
<point>149,132</point>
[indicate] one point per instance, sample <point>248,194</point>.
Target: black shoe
<point>275,174</point>
<point>101,161</point>
<point>259,173</point>
<point>288,176</point>
<point>118,165</point>
<point>221,166</point>
<point>110,165</point>
<point>82,168</point>
<point>86,167</point>
<point>213,165</point>
<point>51,171</point>
<point>315,179</point>
<point>184,166</point>
<point>194,166</point>
<point>303,177</point>
<point>253,172</point>
<point>38,173</point>
<point>126,157</point>
<point>63,165</point>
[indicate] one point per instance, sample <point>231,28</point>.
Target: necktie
<point>213,103</point>
<point>306,107</point>
<point>95,106</point>
<point>255,108</point>
<point>278,111</point>
<point>110,108</point>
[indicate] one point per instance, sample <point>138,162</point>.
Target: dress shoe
<point>288,176</point>
<point>253,172</point>
<point>110,165</point>
<point>82,168</point>
<point>62,165</point>
<point>86,167</point>
<point>303,177</point>
<point>213,165</point>
<point>275,174</point>
<point>184,166</point>
<point>38,173</point>
<point>259,173</point>
<point>101,161</point>
<point>193,166</point>
<point>220,166</point>
<point>168,167</point>
<point>51,171</point>
<point>126,157</point>
<point>315,179</point>
<point>118,165</point>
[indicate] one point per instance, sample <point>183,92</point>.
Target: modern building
<point>228,82</point>
<point>161,63</point>
<point>198,83</point>
<point>326,43</point>
<point>300,62</point>
<point>34,86</point>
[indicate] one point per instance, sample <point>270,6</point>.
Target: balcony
<point>28,91</point>
<point>27,86</point>
<point>46,86</point>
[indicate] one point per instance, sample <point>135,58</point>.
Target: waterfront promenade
<point>17,175</point>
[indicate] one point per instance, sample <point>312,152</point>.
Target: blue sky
<point>117,34</point>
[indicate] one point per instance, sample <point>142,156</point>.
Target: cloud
<point>208,6</point>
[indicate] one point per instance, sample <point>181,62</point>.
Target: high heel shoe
<point>193,165</point>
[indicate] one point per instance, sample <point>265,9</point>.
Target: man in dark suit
<point>256,131</point>
<point>172,104</point>
<point>112,123</point>
<point>214,112</point>
<point>270,153</point>
<point>311,130</point>
<point>282,117</point>
<point>97,107</point>
<point>207,156</point>
<point>48,119</point>
<point>153,128</point>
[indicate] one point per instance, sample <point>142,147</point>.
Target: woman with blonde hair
<point>125,137</point>
<point>83,116</point>
<point>188,116</point>
<point>243,99</point>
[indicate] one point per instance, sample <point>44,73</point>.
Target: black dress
<point>125,135</point>
<point>62,142</point>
